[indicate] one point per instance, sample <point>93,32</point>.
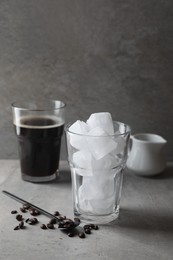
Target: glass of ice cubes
<point>97,158</point>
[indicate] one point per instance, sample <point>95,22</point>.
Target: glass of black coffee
<point>39,127</point>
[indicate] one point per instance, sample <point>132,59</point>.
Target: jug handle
<point>130,145</point>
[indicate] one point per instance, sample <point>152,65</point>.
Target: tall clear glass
<point>97,172</point>
<point>39,127</point>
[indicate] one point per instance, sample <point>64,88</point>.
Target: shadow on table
<point>166,174</point>
<point>64,176</point>
<point>148,220</point>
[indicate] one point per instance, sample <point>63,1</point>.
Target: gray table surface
<point>144,229</point>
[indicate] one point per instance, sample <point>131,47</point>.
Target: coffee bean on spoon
<point>50,226</point>
<point>66,223</point>
<point>53,221</point>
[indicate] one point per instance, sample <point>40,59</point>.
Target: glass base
<point>98,219</point>
<point>40,179</point>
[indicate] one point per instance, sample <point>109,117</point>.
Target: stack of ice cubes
<point>97,147</point>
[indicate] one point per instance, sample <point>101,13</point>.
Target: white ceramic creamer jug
<point>146,155</point>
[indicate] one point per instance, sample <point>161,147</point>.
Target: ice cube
<point>98,186</point>
<point>82,161</point>
<point>79,127</point>
<point>102,206</point>
<point>109,161</point>
<point>103,120</point>
<point>77,133</point>
<point>96,194</point>
<point>100,143</point>
<point>97,206</point>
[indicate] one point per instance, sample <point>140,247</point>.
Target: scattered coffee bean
<point>63,222</point>
<point>96,227</point>
<point>50,226</point>
<point>17,228</point>
<point>87,231</point>
<point>81,234</point>
<point>56,213</point>
<point>88,226</point>
<point>14,212</point>
<point>93,226</point>
<point>23,210</point>
<point>43,226</point>
<point>26,206</point>
<point>32,221</point>
<point>53,221</point>
<point>19,217</point>
<point>35,220</point>
<point>34,212</point>
<point>21,225</point>
<point>70,234</point>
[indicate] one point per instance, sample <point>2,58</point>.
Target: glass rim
<point>67,126</point>
<point>20,105</point>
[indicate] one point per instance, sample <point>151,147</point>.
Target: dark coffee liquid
<point>39,141</point>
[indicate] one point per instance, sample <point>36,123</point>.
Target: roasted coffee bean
<point>70,234</point>
<point>35,220</point>
<point>32,221</point>
<point>23,210</point>
<point>19,217</point>
<point>56,213</point>
<point>87,231</point>
<point>93,226</point>
<point>81,234</point>
<point>43,226</point>
<point>53,221</point>
<point>25,206</point>
<point>96,227</point>
<point>77,220</point>
<point>34,212</point>
<point>14,212</point>
<point>66,223</point>
<point>50,226</point>
<point>87,226</point>
<point>21,225</point>
<point>60,218</point>
<point>17,228</point>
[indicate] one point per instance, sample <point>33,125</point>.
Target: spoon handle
<point>46,213</point>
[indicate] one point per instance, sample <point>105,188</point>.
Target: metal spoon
<point>62,223</point>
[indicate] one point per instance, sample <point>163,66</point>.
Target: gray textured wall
<point>96,55</point>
